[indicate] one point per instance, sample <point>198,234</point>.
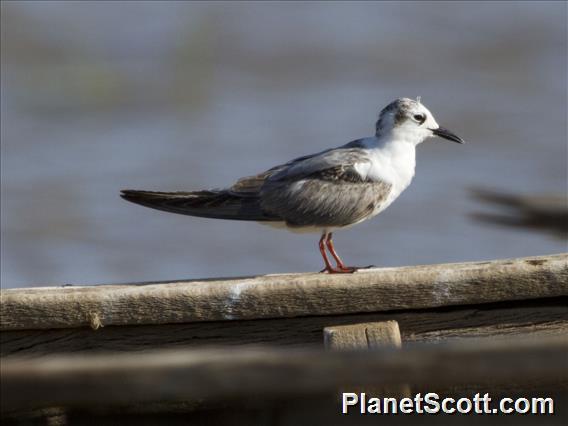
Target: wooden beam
<point>115,379</point>
<point>540,317</point>
<point>285,296</point>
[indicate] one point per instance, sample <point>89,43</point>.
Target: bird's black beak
<point>446,134</point>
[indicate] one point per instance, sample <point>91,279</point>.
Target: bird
<point>547,212</point>
<point>323,192</point>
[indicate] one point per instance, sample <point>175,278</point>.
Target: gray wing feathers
<point>348,155</point>
<point>216,204</point>
<point>320,203</point>
<point>323,189</point>
<point>249,186</point>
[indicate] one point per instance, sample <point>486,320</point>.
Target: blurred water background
<point>101,96</point>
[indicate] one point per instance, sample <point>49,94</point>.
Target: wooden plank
<point>114,379</point>
<point>305,411</point>
<point>285,296</point>
<point>367,336</point>
<point>498,331</point>
<point>537,317</point>
<point>371,335</point>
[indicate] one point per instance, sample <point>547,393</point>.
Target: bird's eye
<point>420,118</point>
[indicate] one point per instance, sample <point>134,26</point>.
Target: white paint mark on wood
<point>234,297</point>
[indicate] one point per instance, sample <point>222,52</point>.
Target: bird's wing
<point>332,191</point>
<point>215,204</point>
<point>249,186</point>
<point>325,190</point>
<point>347,156</point>
<point>296,168</point>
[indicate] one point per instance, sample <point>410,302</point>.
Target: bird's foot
<point>345,269</point>
<point>340,270</point>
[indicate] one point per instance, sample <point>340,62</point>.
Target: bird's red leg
<point>328,267</point>
<point>340,265</point>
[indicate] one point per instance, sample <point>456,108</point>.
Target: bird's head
<point>409,120</point>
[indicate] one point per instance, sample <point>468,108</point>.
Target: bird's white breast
<point>392,162</point>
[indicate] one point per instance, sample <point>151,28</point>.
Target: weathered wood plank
<point>542,316</point>
<point>303,411</point>
<point>285,296</point>
<point>494,332</point>
<point>115,379</point>
<point>370,335</point>
<point>367,336</point>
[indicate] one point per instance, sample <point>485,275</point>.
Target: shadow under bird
<point>322,192</point>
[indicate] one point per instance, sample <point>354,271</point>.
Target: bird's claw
<point>345,269</point>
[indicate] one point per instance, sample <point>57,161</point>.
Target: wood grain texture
<point>367,336</point>
<point>114,379</point>
<point>541,316</point>
<point>285,296</point>
<point>370,335</point>
<point>306,411</point>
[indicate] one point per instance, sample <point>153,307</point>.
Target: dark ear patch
<point>399,117</point>
<point>400,107</point>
